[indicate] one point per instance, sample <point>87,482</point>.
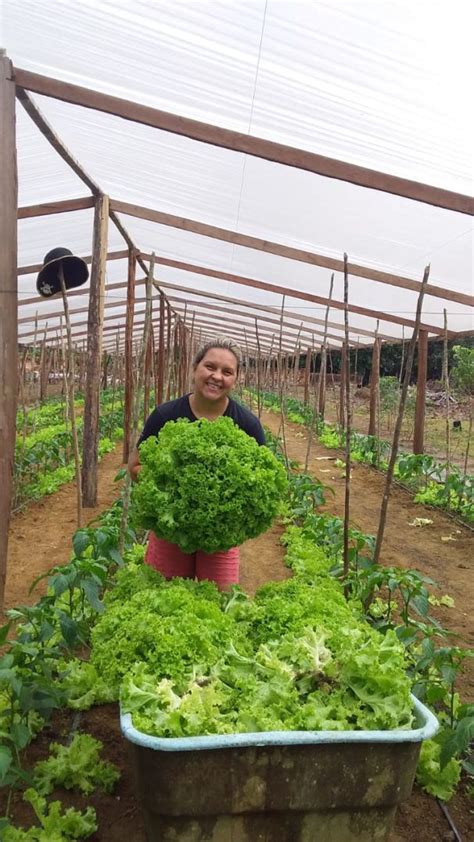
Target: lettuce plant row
<point>434,483</point>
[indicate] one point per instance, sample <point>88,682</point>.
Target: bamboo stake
<point>70,393</point>
<point>398,425</point>
<point>348,424</point>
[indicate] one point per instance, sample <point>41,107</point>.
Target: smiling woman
<point>215,368</point>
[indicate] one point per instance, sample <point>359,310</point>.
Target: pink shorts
<point>221,568</point>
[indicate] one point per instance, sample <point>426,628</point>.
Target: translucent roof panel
<point>381,85</point>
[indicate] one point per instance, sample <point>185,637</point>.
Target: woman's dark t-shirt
<point>181,408</point>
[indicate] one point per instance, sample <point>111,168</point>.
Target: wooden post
<point>398,424</point>
<point>342,389</point>
<point>105,368</point>
<point>418,438</point>
<point>446,393</point>
<point>147,377</point>
<point>94,352</point>
<point>147,328</point>
<point>160,381</point>
<point>348,425</point>
<point>307,371</point>
<point>191,355</point>
<point>8,305</point>
<point>323,364</point>
<point>282,387</point>
<point>69,390</point>
<point>374,387</point>
<point>258,363</point>
<point>43,368</point>
<point>127,413</point>
<point>169,351</point>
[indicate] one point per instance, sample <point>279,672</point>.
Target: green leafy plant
<point>55,825</point>
<point>207,485</point>
<point>76,766</point>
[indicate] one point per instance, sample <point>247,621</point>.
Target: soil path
<point>40,535</point>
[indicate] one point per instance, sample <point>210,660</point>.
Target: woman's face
<point>215,375</point>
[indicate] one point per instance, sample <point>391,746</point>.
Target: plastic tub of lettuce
<point>303,786</point>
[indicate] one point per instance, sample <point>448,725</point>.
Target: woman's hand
<point>134,466</point>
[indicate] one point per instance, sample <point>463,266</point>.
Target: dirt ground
<point>41,536</point>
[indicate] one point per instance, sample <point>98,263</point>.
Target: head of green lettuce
<point>207,485</point>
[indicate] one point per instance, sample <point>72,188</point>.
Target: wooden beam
<point>208,306</point>
<point>8,306</point>
<point>358,331</point>
<point>289,252</point>
<point>293,316</point>
<point>267,308</point>
<point>222,323</point>
<point>58,145</point>
<point>291,330</point>
<point>419,433</point>
<point>212,332</point>
<point>246,240</point>
<point>94,354</point>
<point>240,142</point>
<point>291,293</point>
<point>47,130</point>
<point>48,208</point>
<point>34,268</point>
<point>123,231</point>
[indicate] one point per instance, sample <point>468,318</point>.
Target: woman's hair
<point>225,344</point>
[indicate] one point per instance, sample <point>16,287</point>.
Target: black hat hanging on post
<point>75,272</point>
